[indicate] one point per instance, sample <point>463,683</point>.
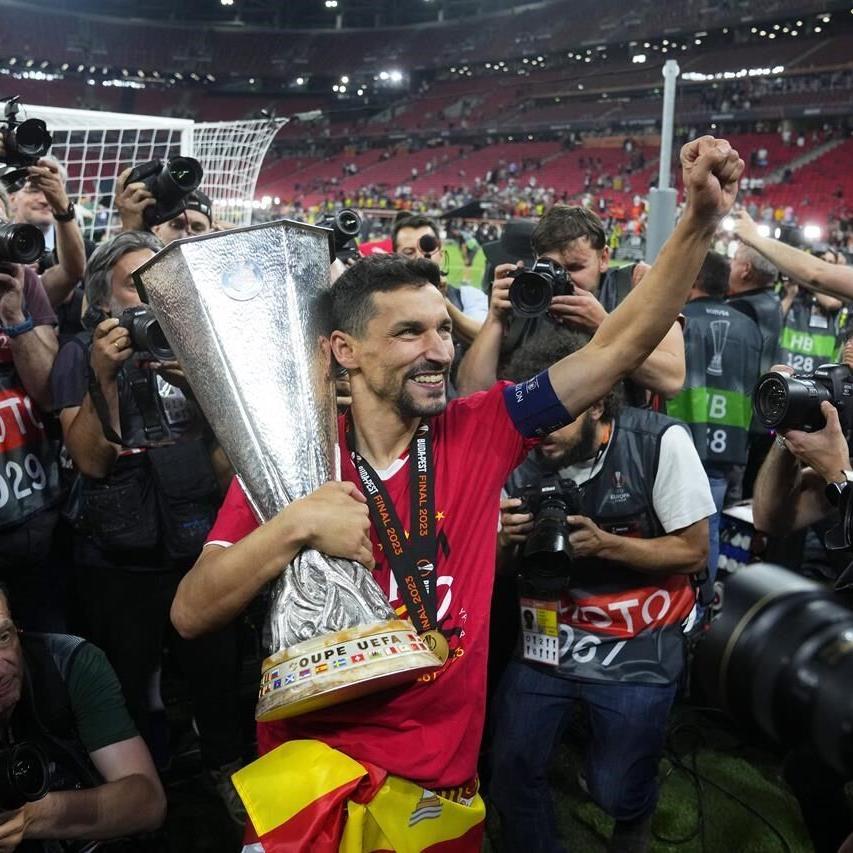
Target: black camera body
<point>550,501</point>
<point>345,226</point>
<point>25,142</point>
<point>170,183</point>
<point>146,334</point>
<point>20,243</point>
<point>782,402</point>
<point>533,288</point>
<point>24,775</point>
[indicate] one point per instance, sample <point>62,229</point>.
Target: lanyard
<point>407,557</point>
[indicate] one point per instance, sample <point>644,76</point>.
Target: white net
<point>95,147</point>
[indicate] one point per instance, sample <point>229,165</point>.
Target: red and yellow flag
<point>306,796</point>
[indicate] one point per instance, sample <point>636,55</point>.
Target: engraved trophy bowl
<point>243,312</point>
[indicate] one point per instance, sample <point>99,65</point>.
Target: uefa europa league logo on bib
<point>242,310</point>
<point>719,336</point>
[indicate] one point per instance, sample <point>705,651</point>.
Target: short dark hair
<point>713,278</point>
<point>412,220</point>
<point>547,346</point>
<point>350,303</point>
<point>563,224</point>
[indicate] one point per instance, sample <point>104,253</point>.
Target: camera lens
<point>771,400</point>
<point>428,244</point>
<point>156,342</point>
<point>349,222</point>
<point>789,402</point>
<point>32,138</point>
<point>185,172</point>
<point>530,294</point>
<point>20,244</point>
<point>780,658</point>
<point>23,775</point>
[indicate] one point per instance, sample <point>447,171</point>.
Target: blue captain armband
<point>534,408</point>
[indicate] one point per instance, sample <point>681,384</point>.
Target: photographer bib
<point>809,336</point>
<point>29,462</point>
<point>608,622</point>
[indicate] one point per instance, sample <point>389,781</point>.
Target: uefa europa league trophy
<point>241,311</point>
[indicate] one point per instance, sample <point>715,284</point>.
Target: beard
<point>409,407</point>
<point>584,449</point>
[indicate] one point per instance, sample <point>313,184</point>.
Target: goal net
<point>95,147</point>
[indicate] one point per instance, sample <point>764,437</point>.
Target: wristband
<point>534,407</point>
<point>65,215</point>
<point>21,328</point>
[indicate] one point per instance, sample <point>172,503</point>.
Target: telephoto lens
<point>779,658</point>
<point>20,244</point>
<point>24,775</point>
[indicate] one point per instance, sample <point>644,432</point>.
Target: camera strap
<point>411,558</point>
<point>143,395</point>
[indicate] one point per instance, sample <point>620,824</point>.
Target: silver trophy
<point>242,312</point>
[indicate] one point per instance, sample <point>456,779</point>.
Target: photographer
<point>617,608</point>
<point>574,238</point>
<point>801,484</point>
<point>29,472</point>
<point>722,348</point>
<point>134,198</point>
<point>58,694</point>
<point>143,507</point>
<point>43,202</point>
<point>466,305</point>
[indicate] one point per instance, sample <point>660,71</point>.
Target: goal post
<point>95,147</point>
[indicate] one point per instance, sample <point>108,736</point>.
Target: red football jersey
<point>429,731</point>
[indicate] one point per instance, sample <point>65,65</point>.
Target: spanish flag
<point>306,796</point>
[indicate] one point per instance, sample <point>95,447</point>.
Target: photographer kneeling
<point>606,561</point>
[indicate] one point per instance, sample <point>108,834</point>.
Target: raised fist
<point>712,170</point>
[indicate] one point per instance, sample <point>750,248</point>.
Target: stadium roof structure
<point>292,14</point>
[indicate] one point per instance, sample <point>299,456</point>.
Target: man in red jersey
<point>393,335</point>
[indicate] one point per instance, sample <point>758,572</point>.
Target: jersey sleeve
<point>482,425</point>
<point>235,519</point>
<point>681,494</point>
<point>97,701</point>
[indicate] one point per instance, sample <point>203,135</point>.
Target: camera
<point>345,226</point>
<point>533,289</point>
<point>779,658</point>
<point>20,244</point>
<point>24,775</point>
<point>25,142</point>
<point>793,402</point>
<point>550,501</point>
<point>170,183</point>
<point>146,334</point>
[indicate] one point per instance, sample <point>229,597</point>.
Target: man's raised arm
<point>711,170</point>
<point>812,271</point>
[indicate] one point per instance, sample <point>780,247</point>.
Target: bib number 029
<point>18,481</point>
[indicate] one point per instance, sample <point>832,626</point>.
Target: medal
<point>436,642</point>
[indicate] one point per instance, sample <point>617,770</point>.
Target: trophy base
<point>344,665</point>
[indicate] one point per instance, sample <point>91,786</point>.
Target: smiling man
<point>390,329</point>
